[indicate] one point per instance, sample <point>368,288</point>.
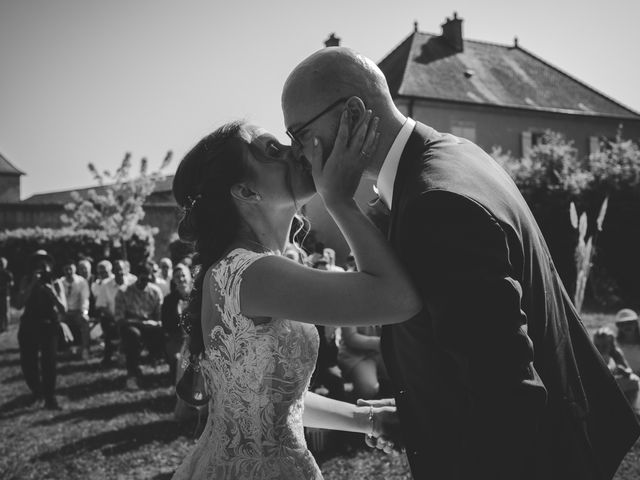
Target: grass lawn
<point>106,432</point>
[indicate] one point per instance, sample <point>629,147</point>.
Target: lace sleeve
<point>227,279</point>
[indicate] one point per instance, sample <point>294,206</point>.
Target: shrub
<point>552,176</point>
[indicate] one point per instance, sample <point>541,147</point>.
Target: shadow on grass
<point>149,381</point>
<point>21,402</point>
<point>163,404</point>
<point>96,387</point>
<point>163,476</point>
<point>8,351</point>
<point>120,441</point>
<point>61,369</point>
<point>13,379</point>
<point>10,362</point>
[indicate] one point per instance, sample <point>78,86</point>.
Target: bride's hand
<point>338,179</point>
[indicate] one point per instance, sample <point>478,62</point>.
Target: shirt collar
<point>387,175</point>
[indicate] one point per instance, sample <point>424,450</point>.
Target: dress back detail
<point>257,376</point>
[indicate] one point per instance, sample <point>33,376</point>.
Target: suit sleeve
<point>461,259</point>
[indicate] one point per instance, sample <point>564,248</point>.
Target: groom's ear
<point>355,113</point>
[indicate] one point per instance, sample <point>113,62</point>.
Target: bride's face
<point>279,178</point>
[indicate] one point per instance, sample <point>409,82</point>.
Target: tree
<point>116,212</point>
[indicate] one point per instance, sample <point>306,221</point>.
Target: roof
<point>63,197</point>
<point>7,168</point>
<point>426,66</point>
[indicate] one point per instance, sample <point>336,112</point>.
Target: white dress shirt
<point>77,293</point>
<point>387,175</point>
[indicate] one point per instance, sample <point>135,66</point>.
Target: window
<point>464,129</point>
<point>529,140</point>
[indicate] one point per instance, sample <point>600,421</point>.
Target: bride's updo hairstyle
<point>202,187</point>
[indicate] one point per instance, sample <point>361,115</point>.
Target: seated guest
<point>163,284</point>
<point>138,317</point>
<point>604,340</point>
<point>165,274</point>
<point>360,360</point>
<point>330,255</point>
<point>83,268</point>
<point>77,293</point>
<point>294,253</point>
<point>110,280</point>
<point>629,337</point>
<point>172,307</point>
<point>350,264</point>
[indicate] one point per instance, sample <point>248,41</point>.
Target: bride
<point>253,310</point>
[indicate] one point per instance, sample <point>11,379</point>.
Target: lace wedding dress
<point>257,375</point>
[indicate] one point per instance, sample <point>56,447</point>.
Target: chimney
<point>452,32</point>
<point>332,41</point>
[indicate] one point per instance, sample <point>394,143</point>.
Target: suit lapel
<point>413,150</point>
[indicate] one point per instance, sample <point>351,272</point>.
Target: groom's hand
<point>386,435</point>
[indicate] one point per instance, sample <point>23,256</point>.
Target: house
<point>9,181</point>
<point>498,95</point>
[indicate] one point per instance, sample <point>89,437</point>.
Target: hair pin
<point>191,201</point>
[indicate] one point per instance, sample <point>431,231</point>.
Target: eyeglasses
<point>292,134</point>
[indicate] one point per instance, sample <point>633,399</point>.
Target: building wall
<point>494,126</point>
<point>9,188</point>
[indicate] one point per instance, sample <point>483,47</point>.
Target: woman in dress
<point>253,310</point>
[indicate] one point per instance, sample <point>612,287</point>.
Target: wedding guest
<point>294,253</point>
<point>350,264</point>
<point>188,261</point>
<point>172,307</point>
<point>629,337</point>
<point>85,270</point>
<point>138,315</point>
<point>605,341</point>
<point>43,301</point>
<point>6,283</point>
<point>104,290</point>
<point>360,360</point>
<point>166,269</point>
<point>330,255</point>
<point>76,289</point>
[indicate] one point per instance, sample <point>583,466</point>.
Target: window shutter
<point>526,143</point>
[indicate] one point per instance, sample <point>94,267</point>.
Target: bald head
<point>333,73</point>
<point>325,84</point>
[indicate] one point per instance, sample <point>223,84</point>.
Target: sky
<point>87,81</point>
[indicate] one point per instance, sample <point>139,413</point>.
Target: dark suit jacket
<point>496,378</point>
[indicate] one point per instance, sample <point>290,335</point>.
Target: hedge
<point>551,176</point>
<point>69,245</point>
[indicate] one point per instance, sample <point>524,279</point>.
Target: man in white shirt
<point>111,280</point>
<point>76,290</point>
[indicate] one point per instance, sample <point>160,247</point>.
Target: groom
<point>496,378</point>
